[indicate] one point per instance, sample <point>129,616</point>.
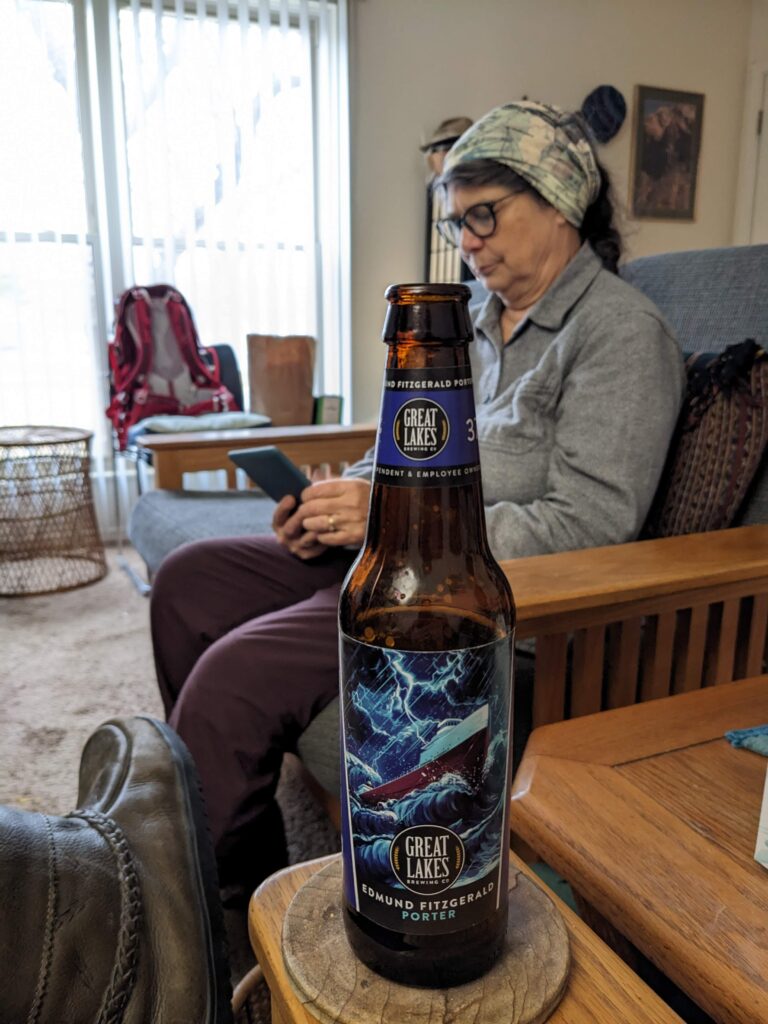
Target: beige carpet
<point>70,661</point>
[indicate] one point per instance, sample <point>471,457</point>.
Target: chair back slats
<point>721,642</point>
<point>587,675</point>
<point>591,668</point>
<point>657,657</point>
<point>755,645</point>
<point>623,662</point>
<point>551,668</point>
<point>690,645</point>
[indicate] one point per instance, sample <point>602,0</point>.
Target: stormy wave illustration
<point>398,704</point>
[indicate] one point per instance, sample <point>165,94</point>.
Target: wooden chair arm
<point>573,587</point>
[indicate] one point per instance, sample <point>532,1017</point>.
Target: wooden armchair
<point>643,620</point>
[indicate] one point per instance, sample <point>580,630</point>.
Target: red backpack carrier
<point>157,364</point>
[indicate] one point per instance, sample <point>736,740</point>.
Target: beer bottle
<point>426,628</point>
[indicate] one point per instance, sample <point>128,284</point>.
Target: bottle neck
<point>427,495</point>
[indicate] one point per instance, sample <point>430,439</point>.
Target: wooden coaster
<point>524,986</point>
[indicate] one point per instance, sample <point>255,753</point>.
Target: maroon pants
<point>246,649</point>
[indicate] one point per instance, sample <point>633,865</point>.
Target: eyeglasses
<point>480,219</point>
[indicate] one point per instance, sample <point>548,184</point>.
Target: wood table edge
<point>589,865</point>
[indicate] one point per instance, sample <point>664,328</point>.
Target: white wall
<point>758,36</point>
<point>416,62</point>
<point>747,217</point>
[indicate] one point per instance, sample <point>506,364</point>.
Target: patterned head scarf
<point>547,146</point>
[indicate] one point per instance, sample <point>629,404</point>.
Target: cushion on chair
<point>163,520</point>
<point>205,421</point>
<point>718,444</point>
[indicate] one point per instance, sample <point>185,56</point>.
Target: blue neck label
<point>427,433</point>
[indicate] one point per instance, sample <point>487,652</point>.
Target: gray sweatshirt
<point>574,413</point>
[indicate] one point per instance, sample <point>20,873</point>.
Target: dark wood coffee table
<point>652,816</point>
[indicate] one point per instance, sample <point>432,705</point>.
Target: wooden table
<point>173,455</point>
<point>652,816</point>
<point>601,990</point>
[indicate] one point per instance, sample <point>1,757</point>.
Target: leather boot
<point>111,914</point>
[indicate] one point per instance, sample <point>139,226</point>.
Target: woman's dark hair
<point>597,227</point>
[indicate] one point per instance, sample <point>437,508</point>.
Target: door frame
<point>747,176</point>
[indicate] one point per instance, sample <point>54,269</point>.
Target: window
<point>199,143</point>
<point>48,366</point>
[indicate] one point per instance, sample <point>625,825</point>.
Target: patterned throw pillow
<point>718,443</point>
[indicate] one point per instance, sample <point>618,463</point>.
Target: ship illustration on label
<point>425,755</point>
<point>460,748</point>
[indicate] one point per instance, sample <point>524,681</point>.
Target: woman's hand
<point>333,513</point>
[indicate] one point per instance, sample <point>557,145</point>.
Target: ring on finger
<point>331,523</point>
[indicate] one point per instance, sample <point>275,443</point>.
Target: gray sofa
<point>161,521</point>
<point>712,298</point>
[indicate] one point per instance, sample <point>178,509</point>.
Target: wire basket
<point>49,538</point>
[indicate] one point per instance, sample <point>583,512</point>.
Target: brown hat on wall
<point>446,133</point>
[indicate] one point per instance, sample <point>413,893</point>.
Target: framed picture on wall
<point>665,160</point>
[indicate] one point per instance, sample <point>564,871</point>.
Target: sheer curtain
<point>202,144</point>
<point>49,365</point>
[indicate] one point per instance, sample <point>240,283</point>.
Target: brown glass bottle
<point>426,619</point>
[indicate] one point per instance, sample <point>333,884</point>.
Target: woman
<point>578,383</point>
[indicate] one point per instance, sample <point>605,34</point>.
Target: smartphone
<point>271,470</point>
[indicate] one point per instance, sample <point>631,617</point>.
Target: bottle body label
<point>425,784</point>
<point>427,433</point>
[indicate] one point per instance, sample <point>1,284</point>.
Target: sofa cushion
<point>755,507</point>
<point>191,424</point>
<point>163,520</point>
<point>718,444</point>
<point>710,297</point>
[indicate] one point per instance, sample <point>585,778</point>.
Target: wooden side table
<point>174,455</point>
<point>652,815</point>
<point>601,990</point>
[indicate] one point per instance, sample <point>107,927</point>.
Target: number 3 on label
<point>471,435</point>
